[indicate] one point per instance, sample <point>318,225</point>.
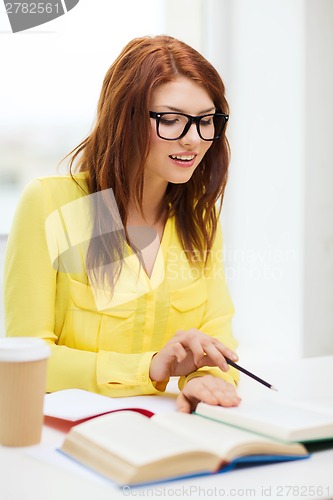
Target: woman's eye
<point>168,121</point>
<point>206,122</point>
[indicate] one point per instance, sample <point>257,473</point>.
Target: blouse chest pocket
<point>188,306</point>
<point>90,325</point>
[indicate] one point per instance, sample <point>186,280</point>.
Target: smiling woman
<point>187,149</point>
<point>96,249</point>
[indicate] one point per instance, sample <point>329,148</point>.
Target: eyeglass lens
<point>172,126</point>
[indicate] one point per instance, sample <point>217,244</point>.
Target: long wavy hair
<point>121,134</point>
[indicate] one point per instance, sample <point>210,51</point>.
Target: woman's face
<point>175,161</point>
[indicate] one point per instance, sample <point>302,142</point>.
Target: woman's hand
<point>209,389</point>
<point>186,352</point>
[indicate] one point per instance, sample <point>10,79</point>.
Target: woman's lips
<point>183,160</point>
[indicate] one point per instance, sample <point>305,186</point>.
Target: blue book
<point>132,449</point>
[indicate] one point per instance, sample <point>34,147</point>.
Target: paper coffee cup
<point>23,363</point>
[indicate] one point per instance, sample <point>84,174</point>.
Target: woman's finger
<point>177,351</point>
<point>226,395</point>
<point>163,363</point>
<point>214,357</point>
<point>211,390</point>
<point>199,343</point>
<point>198,390</point>
<point>194,344</point>
<point>184,404</point>
<point>226,351</point>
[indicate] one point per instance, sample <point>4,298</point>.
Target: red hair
<point>122,133</point>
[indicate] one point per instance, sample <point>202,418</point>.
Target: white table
<point>25,477</point>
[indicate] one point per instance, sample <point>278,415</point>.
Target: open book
<point>130,448</point>
<point>274,418</point>
<point>74,405</point>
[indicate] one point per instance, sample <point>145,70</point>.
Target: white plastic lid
<point>15,349</point>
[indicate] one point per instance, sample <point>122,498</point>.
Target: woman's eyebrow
<point>177,110</point>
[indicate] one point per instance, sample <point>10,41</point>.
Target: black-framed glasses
<point>172,126</point>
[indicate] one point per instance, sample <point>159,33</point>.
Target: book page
<point>315,402</point>
<point>77,404</point>
<point>278,419</point>
<point>213,436</point>
<point>133,437</point>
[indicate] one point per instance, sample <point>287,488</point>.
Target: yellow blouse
<point>99,344</point>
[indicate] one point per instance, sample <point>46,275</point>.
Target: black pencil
<point>241,369</point>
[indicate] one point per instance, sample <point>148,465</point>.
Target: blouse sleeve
<point>219,312</point>
<point>31,307</point>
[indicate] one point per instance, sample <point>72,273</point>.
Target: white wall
<point>264,205</point>
<point>318,241</point>
<point>184,20</point>
<point>276,58</point>
<point>54,72</point>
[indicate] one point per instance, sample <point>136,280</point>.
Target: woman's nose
<point>191,137</point>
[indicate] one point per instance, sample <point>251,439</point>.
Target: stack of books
<point>144,439</point>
